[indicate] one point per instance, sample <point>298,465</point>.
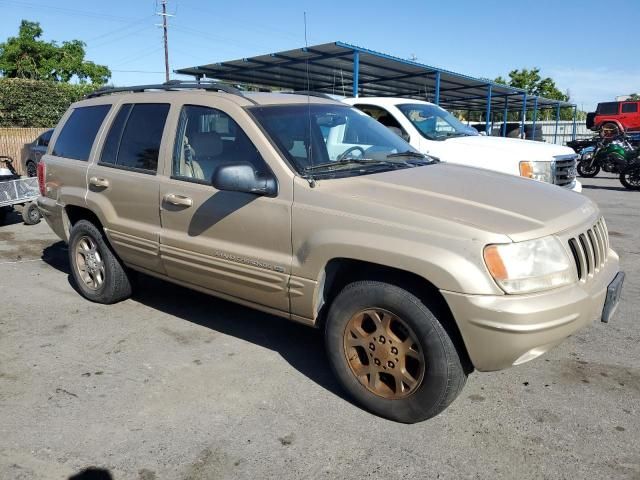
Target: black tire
<point>443,375</point>
<point>32,169</point>
<point>631,179</point>
<point>115,285</point>
<point>588,172</point>
<point>4,211</point>
<point>31,214</point>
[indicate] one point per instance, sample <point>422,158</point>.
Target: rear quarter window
<point>79,132</point>
<point>608,108</point>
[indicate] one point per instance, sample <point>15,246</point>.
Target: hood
<point>493,202</point>
<point>501,147</point>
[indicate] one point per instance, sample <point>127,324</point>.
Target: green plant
<point>34,103</point>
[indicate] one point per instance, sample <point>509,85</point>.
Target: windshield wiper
<point>407,153</point>
<point>348,161</point>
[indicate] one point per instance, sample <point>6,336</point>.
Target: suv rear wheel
<point>98,272</point>
<point>391,353</point>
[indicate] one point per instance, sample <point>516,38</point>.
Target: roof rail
<point>311,93</point>
<point>172,85</point>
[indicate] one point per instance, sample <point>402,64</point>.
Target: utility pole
<point>164,16</point>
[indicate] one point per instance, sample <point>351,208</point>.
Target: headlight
<point>541,171</point>
<point>530,266</point>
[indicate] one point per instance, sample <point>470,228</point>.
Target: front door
<point>630,115</point>
<point>123,185</point>
<point>236,244</point>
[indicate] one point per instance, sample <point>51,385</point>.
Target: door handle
<point>99,182</point>
<point>179,200</point>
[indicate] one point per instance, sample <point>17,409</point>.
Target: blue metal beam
<point>524,114</point>
<point>504,116</point>
<point>356,72</point>
<point>535,116</point>
<point>555,135</point>
<point>436,100</point>
<point>487,120</point>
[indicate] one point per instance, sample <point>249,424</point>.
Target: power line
<point>68,11</point>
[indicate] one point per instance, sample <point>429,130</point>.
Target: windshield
<point>334,140</point>
<point>435,123</point>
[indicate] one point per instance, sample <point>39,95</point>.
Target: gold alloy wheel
<point>89,263</point>
<point>383,353</point>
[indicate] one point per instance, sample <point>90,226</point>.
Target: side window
<point>133,141</point>
<point>207,138</point>
<point>79,132</point>
<point>43,140</point>
<point>382,116</point>
<point>629,107</point>
<point>607,108</point>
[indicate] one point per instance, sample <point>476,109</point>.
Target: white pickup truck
<point>434,131</point>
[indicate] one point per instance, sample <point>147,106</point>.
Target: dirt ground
<point>173,384</point>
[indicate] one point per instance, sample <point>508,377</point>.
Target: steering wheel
<point>349,150</point>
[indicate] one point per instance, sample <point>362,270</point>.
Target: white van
<point>436,132</point>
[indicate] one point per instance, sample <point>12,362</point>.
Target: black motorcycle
<point>630,176</point>
<point>610,153</point>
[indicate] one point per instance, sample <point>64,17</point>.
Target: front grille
<point>565,171</point>
<point>590,249</point>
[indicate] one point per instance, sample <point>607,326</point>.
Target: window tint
<point>629,107</point>
<point>608,108</point>
<point>79,132</point>
<point>207,138</point>
<point>135,135</point>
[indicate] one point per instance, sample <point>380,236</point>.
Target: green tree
<point>634,96</point>
<point>27,56</point>
<point>532,82</point>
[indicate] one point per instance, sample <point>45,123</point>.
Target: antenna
<point>165,29</point>
<point>312,182</point>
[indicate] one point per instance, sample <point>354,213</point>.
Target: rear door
<point>237,244</point>
<point>123,184</point>
<point>629,115</point>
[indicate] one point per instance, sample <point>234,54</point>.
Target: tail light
<point>42,174</point>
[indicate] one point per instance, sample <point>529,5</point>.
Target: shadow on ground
<point>302,347</point>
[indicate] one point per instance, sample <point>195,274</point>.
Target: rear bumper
<point>53,214</point>
<point>504,330</point>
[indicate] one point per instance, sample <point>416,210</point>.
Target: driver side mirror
<point>241,177</point>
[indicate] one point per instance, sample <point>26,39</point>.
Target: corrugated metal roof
<point>329,68</point>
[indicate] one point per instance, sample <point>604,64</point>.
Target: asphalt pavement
<point>173,384</point>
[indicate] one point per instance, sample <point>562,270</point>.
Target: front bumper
<point>504,330</point>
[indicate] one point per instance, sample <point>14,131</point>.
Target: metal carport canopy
<point>342,69</point>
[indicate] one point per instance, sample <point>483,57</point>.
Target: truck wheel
<point>609,130</point>
<point>31,214</point>
<point>98,272</point>
<point>390,353</point>
<point>32,170</point>
<point>588,171</point>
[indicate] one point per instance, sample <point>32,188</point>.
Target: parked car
<point>434,131</point>
<point>418,271</point>
<point>34,152</point>
<point>618,116</point>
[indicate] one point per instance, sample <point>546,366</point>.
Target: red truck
<point>623,115</point>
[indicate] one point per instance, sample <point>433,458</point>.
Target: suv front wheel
<point>391,353</point>
<point>98,272</point>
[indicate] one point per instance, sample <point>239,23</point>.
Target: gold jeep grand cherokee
<point>304,207</point>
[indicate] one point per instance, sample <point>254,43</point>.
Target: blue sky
<point>565,39</point>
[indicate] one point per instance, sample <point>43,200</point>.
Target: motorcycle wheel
<point>588,171</point>
<point>631,179</point>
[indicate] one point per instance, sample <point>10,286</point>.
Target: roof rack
<point>172,85</point>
